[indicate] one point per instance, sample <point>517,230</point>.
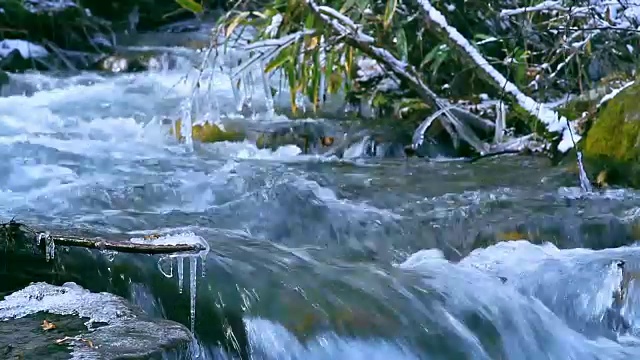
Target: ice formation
<point>122,332</point>
<point>175,239</point>
<point>49,245</point>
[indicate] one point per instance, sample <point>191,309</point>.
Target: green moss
<point>613,142</point>
<point>208,133</point>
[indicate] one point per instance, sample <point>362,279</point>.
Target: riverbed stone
<point>612,144</point>
<point>43,316</point>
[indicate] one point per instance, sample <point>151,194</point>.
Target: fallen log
<point>128,246</point>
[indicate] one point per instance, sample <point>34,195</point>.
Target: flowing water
<point>327,258</point>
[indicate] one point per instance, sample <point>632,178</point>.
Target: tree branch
<point>552,120</point>
<point>101,244</point>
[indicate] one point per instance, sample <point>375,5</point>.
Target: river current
<point>330,258</point>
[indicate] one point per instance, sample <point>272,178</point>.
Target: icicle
<point>187,123</point>
<point>180,273</point>
<point>323,64</point>
<point>267,92</point>
<point>42,236</point>
<point>166,260</point>
<point>203,257</point>
<point>501,116</point>
<point>585,184</point>
<point>193,263</point>
<point>300,103</point>
<point>247,90</point>
<point>235,88</point>
<point>49,247</point>
<point>215,105</point>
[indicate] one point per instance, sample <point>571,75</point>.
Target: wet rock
<point>4,79</point>
<point>309,136</point>
<point>136,61</point>
<point>206,132</point>
<point>20,55</point>
<point>612,144</point>
<point>113,328</point>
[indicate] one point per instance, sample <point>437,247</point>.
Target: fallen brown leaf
<point>46,325</point>
<point>88,342</point>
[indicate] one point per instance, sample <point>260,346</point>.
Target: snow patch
<point>27,49</point>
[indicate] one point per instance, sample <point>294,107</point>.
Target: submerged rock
<point>612,145</point>
<point>114,329</point>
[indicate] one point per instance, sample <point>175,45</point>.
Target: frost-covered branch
<point>353,36</point>
<point>49,241</point>
<point>543,6</point>
<point>552,120</point>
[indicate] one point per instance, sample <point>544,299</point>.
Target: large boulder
<point>612,144</point>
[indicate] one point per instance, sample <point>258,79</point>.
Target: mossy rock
<point>207,133</point>
<point>612,145</point>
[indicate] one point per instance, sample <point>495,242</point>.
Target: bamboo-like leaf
<point>278,62</point>
<point>334,80</point>
<point>235,22</point>
<point>389,11</point>
<point>401,39</point>
<point>291,72</point>
<point>309,21</point>
<point>347,5</point>
<point>315,81</point>
<point>174,12</point>
<point>190,5</point>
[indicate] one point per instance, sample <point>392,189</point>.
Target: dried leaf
<point>46,325</point>
<point>88,342</point>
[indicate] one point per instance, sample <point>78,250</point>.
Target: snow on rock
<point>69,299</point>
<point>553,122</point>
<point>117,329</point>
<point>27,50</point>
